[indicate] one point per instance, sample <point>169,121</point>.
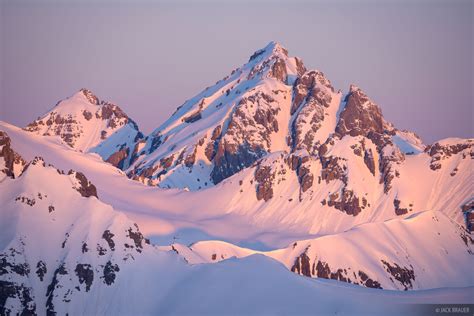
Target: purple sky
<point>414,58</point>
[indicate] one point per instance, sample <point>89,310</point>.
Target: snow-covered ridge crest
<point>395,254</point>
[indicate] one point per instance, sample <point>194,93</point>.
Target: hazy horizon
<point>414,59</point>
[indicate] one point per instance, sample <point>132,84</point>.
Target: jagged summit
<point>90,96</point>
<point>353,88</point>
<point>270,104</point>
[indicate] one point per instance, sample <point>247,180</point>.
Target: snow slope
<point>232,211</point>
<point>62,250</point>
<point>426,250</point>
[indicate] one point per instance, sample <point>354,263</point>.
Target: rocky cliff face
<point>270,104</point>
<point>11,163</point>
<point>88,124</point>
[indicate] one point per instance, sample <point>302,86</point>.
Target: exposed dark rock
<point>6,267</point>
<point>86,188</point>
<point>369,160</point>
<point>331,169</point>
<point>279,70</point>
<point>85,274</point>
<point>110,272</point>
<point>118,158</point>
<point>65,241</point>
<point>101,250</point>
<point>360,116</point>
<point>403,275</point>
<point>191,158</point>
<point>107,235</point>
<point>468,212</point>
<point>156,141</point>
<point>302,265</point>
<point>216,133</point>
<point>300,68</point>
<point>398,209</point>
<point>468,240</point>
<point>305,178</point>
<point>26,200</point>
<point>61,270</point>
<point>166,162</point>
<point>387,165</point>
<point>440,152</point>
<point>19,291</point>
<point>348,203</point>
<point>90,96</point>
<point>137,238</point>
<point>9,156</point>
<point>322,270</point>
<point>306,87</point>
<point>87,115</point>
<point>231,159</point>
<point>84,248</point>
<point>256,54</point>
<point>239,147</point>
<point>41,269</point>
<point>311,96</point>
<point>193,117</point>
<point>368,282</point>
<point>264,178</point>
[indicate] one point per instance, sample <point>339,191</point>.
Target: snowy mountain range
<point>267,187</point>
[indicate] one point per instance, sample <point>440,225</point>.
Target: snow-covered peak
<point>353,88</point>
<point>88,95</point>
<point>88,124</point>
<point>246,115</point>
<point>272,49</point>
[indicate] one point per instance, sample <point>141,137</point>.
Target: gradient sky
<point>414,58</point>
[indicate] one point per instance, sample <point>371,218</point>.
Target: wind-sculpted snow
<point>426,250</point>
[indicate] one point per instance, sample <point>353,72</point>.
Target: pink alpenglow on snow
<point>269,192</point>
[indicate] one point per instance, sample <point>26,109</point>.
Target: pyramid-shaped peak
<point>354,88</point>
<point>88,94</point>
<point>272,48</point>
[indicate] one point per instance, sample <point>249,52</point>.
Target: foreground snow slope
<point>64,251</point>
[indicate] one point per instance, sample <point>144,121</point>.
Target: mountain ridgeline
<point>281,121</point>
